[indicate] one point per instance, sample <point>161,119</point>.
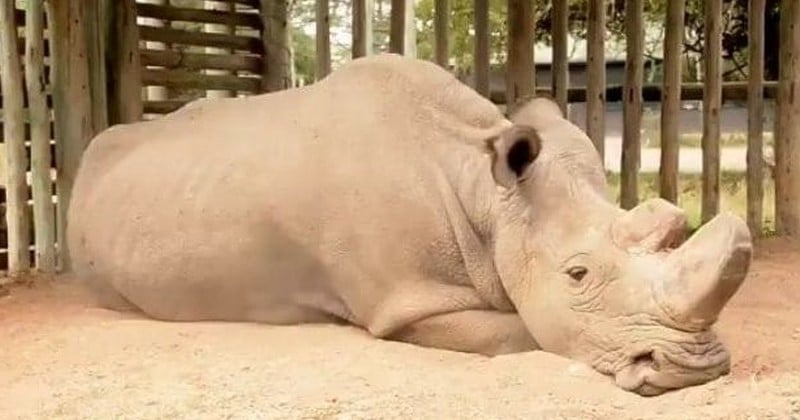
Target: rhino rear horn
<point>512,153</point>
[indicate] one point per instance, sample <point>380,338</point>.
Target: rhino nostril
<point>645,359</point>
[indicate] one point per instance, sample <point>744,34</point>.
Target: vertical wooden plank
<point>787,144</point>
<point>323,37</point>
<point>441,30</point>
<point>596,82</point>
<point>520,71</point>
<point>482,47</point>
<point>397,27</point>
<point>362,27</point>
<point>712,102</point>
<point>17,219</point>
<point>41,184</point>
<point>125,77</point>
<point>671,101</point>
<point>632,104</point>
<point>277,73</point>
<point>213,28</point>
<point>755,118</point>
<point>560,80</point>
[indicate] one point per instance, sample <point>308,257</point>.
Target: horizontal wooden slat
<point>199,61</point>
<point>177,36</point>
<point>162,107</point>
<point>731,91</point>
<point>251,20</point>
<point>185,80</point>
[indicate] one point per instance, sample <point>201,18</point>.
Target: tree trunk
<point>632,104</point>
<point>755,119</point>
<point>442,32</point>
<point>482,47</point>
<point>72,105</point>
<point>521,73</point>
<point>712,102</point>
<point>787,141</point>
<point>277,58</point>
<point>596,83</point>
<point>323,38</point>
<point>41,184</point>
<point>671,101</point>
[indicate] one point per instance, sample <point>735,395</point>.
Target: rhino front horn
<point>709,269</point>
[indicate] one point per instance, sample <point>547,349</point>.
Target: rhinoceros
<point>392,197</point>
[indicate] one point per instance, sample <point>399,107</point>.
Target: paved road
<point>690,158</point>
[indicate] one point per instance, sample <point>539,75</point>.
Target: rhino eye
<point>577,273</point>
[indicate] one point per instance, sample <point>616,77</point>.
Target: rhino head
<point>622,291</point>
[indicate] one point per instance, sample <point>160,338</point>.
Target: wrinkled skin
<point>629,303</point>
<point>392,197</point>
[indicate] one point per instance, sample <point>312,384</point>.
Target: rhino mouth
<point>669,366</point>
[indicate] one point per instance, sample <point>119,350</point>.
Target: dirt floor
<point>61,358</point>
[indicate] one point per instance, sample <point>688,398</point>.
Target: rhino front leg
<point>473,331</point>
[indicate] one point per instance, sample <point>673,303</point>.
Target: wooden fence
<point>125,60</point>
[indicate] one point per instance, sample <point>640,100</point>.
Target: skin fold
<point>392,197</point>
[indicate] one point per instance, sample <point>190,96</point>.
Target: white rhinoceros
<point>392,197</point>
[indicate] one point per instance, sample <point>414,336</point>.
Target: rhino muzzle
<point>705,272</point>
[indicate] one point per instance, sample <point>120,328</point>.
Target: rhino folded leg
<point>472,331</point>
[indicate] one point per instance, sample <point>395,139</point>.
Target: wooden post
<point>410,31</point>
<point>14,134</point>
<point>397,27</point>
<point>441,30</point>
<point>520,71</point>
<point>362,27</point>
<point>596,82</point>
<point>98,85</point>
<point>323,36</point>
<point>219,29</point>
<point>671,101</point>
<point>72,106</point>
<point>125,94</point>
<point>275,36</point>
<point>787,142</point>
<point>482,47</point>
<point>560,79</point>
<point>632,103</point>
<point>712,102</point>
<point>755,118</point>
<point>41,183</point>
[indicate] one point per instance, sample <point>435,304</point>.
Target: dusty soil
<point>62,358</point>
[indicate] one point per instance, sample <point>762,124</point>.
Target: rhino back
<point>297,206</point>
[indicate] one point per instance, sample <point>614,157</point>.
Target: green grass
<point>733,195</point>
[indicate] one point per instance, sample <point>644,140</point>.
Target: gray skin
<point>392,197</point>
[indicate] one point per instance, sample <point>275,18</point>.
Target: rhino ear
<point>512,153</point>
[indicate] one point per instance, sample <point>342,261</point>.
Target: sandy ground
<point>61,358</point>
